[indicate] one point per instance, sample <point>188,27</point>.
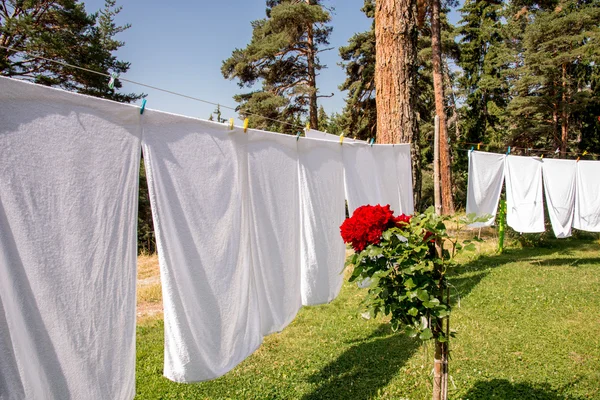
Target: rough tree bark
<point>312,77</point>
<point>395,78</point>
<point>564,115</point>
<point>395,70</point>
<point>438,87</point>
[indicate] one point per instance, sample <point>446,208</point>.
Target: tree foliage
<point>282,60</point>
<point>61,30</point>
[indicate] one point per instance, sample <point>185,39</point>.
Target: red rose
<point>402,220</point>
<point>366,225</point>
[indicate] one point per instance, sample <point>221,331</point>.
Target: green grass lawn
<point>527,322</point>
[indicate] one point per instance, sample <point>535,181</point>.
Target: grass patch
<point>527,321</point>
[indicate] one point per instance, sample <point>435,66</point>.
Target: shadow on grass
<point>502,389</point>
<point>364,368</point>
<point>371,363</point>
<point>468,275</point>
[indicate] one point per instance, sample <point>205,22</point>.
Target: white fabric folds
<point>524,198</point>
<point>198,190</point>
<point>69,169</point>
<point>314,134</point>
<point>587,204</point>
<point>559,188</point>
<point>362,183</point>
<point>275,221</point>
<point>321,178</point>
<point>404,179</point>
<point>378,174</point>
<point>486,176</point>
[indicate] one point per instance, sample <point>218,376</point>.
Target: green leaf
<point>413,311</point>
<point>422,295</point>
<point>431,303</point>
<point>426,334</point>
<point>409,283</point>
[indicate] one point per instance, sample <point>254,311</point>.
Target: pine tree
<point>484,59</point>
<point>61,30</point>
<point>323,119</point>
<point>360,113</point>
<point>561,51</point>
<point>283,56</point>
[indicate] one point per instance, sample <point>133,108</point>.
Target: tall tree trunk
<point>564,115</point>
<point>312,77</point>
<point>395,70</point>
<point>395,79</point>
<point>438,87</point>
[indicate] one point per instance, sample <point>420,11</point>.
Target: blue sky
<point>179,45</point>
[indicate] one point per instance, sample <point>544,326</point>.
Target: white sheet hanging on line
<point>275,221</point>
<point>404,179</point>
<point>69,169</point>
<point>386,169</point>
<point>486,176</point>
<point>524,198</point>
<point>198,190</point>
<point>559,187</point>
<point>587,199</point>
<point>314,134</point>
<point>362,183</point>
<point>322,212</point>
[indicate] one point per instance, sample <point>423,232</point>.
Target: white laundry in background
<point>559,187</point>
<point>404,179</point>
<point>524,198</point>
<point>587,199</point>
<point>197,178</point>
<point>69,167</point>
<point>275,221</point>
<point>486,176</point>
<point>321,178</point>
<point>362,182</point>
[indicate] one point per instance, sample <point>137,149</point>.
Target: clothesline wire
<point>147,86</point>
<point>530,149</point>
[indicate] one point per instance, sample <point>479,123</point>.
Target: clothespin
<point>111,82</point>
<point>470,151</point>
<point>230,124</point>
<point>372,141</point>
<point>584,152</point>
<point>342,138</point>
<point>577,159</point>
<point>246,122</point>
<point>298,135</point>
<point>308,126</point>
<point>508,151</point>
<point>478,145</point>
<point>557,150</point>
<point>143,107</point>
<point>542,156</point>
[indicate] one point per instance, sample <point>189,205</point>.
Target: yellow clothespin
<point>230,124</point>
<point>246,125</point>
<point>341,138</point>
<point>542,156</point>
<point>478,145</point>
<point>584,152</point>
<point>308,126</point>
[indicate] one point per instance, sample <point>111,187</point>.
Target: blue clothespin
<point>508,151</point>
<point>143,106</point>
<point>298,135</point>
<point>471,149</point>
<point>372,141</point>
